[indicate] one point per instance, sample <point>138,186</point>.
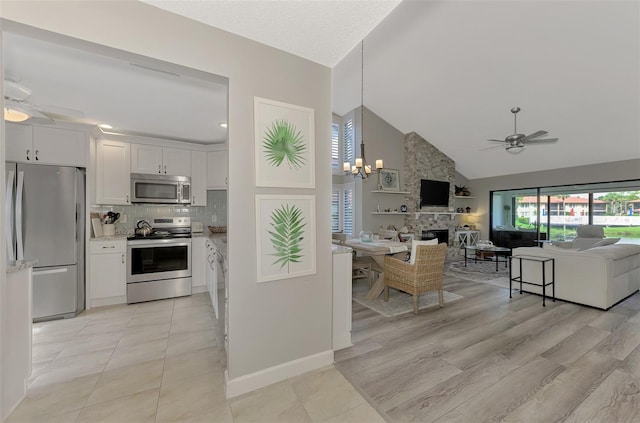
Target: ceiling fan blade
<point>25,107</point>
<point>491,148</point>
<point>58,111</point>
<point>502,141</point>
<point>536,134</point>
<point>542,141</point>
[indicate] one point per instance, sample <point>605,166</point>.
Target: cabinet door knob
<point>194,199</point>
<point>127,198</point>
<point>28,152</point>
<point>159,168</point>
<point>37,155</point>
<point>165,168</point>
<point>122,258</point>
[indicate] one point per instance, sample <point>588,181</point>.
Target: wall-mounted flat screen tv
<point>434,193</point>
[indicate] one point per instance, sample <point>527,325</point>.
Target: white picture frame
<point>274,123</point>
<point>296,255</point>
<point>389,180</point>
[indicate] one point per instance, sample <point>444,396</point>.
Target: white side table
<point>467,238</point>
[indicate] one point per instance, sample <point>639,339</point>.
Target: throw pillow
<point>605,241</point>
<point>584,243</point>
<point>414,247</point>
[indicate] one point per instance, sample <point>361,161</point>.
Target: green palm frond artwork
<point>284,141</point>
<point>288,229</point>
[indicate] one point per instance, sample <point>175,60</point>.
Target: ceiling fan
<point>516,142</point>
<point>17,108</point>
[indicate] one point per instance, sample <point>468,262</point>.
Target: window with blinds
<point>336,163</point>
<point>349,137</point>
<point>342,212</point>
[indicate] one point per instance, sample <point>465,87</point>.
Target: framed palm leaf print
<point>284,142</point>
<point>286,236</point>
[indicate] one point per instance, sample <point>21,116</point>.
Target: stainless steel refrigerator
<point>45,221</point>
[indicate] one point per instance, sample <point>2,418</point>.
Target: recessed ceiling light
<point>223,124</point>
<point>105,126</point>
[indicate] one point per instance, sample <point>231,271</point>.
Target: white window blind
<point>349,137</point>
<point>335,211</point>
<point>335,147</point>
<point>348,211</point>
<point>342,213</point>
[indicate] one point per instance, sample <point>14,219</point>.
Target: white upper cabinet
<point>113,175</point>
<point>198,178</point>
<point>146,159</point>
<point>176,162</point>
<point>45,145</point>
<point>159,160</point>
<point>217,170</point>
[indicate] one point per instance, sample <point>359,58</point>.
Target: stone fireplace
<point>424,161</point>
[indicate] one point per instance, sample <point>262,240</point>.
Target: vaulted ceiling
<point>452,70</point>
<point>448,70</point>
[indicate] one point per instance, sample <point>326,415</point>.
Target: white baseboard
<point>101,302</point>
<point>341,342</point>
<point>247,383</point>
<point>199,289</point>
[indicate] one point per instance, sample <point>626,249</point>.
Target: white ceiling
<point>149,98</point>
<point>451,71</point>
<point>322,31</point>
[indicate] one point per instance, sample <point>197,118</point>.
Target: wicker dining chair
<point>424,275</point>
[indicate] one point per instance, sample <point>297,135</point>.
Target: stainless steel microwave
<point>160,189</point>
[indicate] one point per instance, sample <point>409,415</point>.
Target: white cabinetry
<point>467,238</point>
<point>108,274</point>
<point>198,264</point>
<point>160,160</point>
<point>198,178</point>
<point>44,145</point>
<point>217,170</point>
<point>113,176</point>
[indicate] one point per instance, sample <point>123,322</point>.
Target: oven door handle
<point>158,243</point>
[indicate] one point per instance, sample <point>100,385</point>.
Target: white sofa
<point>598,277</point>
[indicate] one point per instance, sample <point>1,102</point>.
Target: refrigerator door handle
<point>19,195</point>
<point>49,272</point>
<point>9,215</point>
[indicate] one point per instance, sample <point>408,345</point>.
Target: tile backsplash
<point>216,209</point>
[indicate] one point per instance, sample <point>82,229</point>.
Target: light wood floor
<point>490,358</point>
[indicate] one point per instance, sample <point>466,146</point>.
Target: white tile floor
<point>160,362</point>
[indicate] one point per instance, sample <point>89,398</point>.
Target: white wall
<point>269,323</point>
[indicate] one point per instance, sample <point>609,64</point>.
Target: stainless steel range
<point>159,263</point>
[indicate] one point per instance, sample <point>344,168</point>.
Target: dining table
<point>377,250</point>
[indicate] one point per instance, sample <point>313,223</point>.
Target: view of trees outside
<point>618,212</point>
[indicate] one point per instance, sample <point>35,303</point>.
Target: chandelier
<point>361,168</point>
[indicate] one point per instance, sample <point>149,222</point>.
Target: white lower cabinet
<point>108,273</point>
<point>198,264</point>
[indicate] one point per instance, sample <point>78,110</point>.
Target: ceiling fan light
<point>12,115</point>
<point>515,149</point>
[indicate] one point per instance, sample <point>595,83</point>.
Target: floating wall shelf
<point>391,192</point>
<point>396,213</point>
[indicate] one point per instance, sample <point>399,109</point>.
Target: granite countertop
<point>116,237</point>
<point>18,265</point>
